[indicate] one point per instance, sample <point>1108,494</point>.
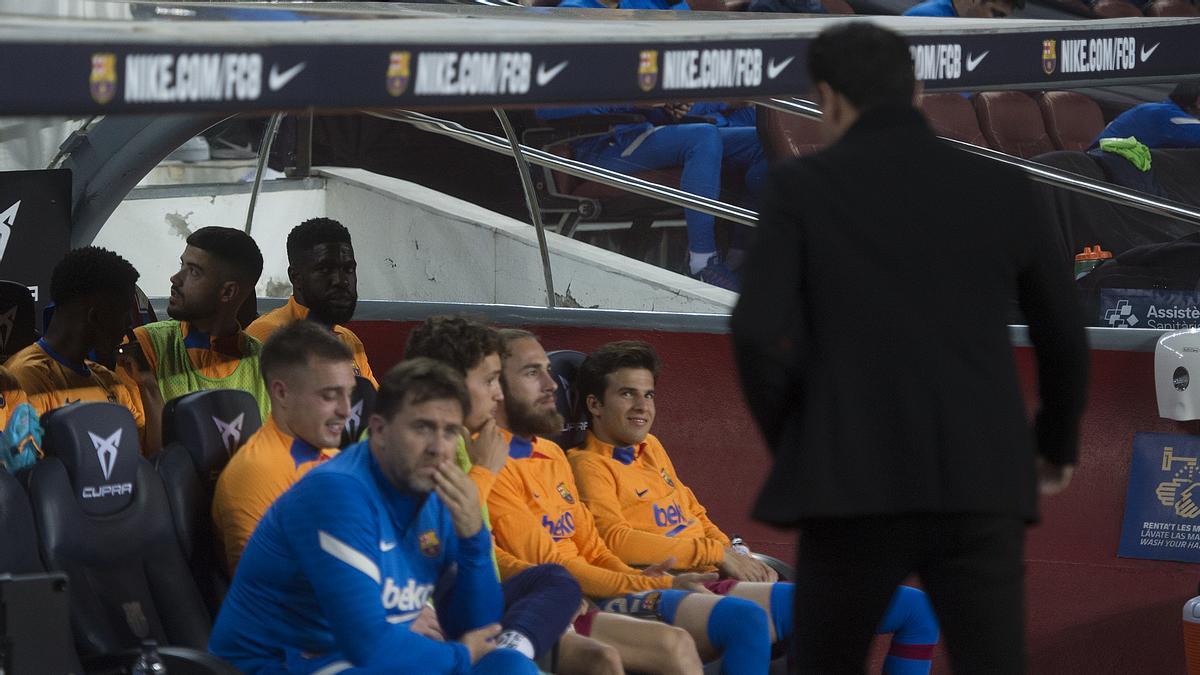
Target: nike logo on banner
<point>972,62</point>
<point>642,492</point>
<point>7,220</point>
<point>386,546</point>
<point>774,69</point>
<point>544,76</point>
<point>277,80</point>
<point>1146,53</point>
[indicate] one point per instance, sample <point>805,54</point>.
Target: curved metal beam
<point>111,157</point>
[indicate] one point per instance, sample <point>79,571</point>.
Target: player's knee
<point>704,140</point>
<point>600,659</point>
<point>679,650</point>
<point>738,621</point>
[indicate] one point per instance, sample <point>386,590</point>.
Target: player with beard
<point>310,375</point>
<point>540,600</point>
<point>202,346</point>
<point>324,278</point>
<point>537,518</point>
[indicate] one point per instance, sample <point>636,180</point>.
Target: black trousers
<point>970,565</point>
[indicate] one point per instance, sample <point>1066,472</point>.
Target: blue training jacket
<point>341,564</point>
<point>1155,125</point>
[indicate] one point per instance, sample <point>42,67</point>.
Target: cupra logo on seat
<point>7,220</point>
<point>354,421</point>
<point>106,450</point>
<point>231,431</point>
<point>7,319</point>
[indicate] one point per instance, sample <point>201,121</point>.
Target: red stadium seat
<point>1012,123</point>
<point>1115,9</point>
<point>952,116</point>
<point>785,135</point>
<point>1171,8</point>
<point>837,6</point>
<point>1073,120</point>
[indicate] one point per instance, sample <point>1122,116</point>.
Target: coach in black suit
<point>872,342</point>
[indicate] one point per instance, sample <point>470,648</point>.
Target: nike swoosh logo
<point>544,76</point>
<point>973,62</point>
<point>1147,52</point>
<point>774,69</point>
<point>642,492</point>
<point>386,546</point>
<point>277,80</point>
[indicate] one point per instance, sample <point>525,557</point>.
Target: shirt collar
<point>624,455</point>
<point>300,450</point>
<point>194,338</point>
<point>298,311</point>
<point>80,368</point>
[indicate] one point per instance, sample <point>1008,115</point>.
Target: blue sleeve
<point>475,600</point>
<point>332,528</point>
<point>1181,131</point>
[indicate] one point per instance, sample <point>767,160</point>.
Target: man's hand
<point>1053,479</point>
<point>659,569</point>
<point>480,641</point>
<point>461,497</point>
<point>744,568</point>
<point>677,111</point>
<point>488,449</point>
<point>694,582</point>
<point>427,624</point>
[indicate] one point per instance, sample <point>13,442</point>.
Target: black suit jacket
<point>872,335</point>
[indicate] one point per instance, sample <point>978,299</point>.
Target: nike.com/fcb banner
<point>1162,505</point>
<point>170,70</point>
<point>1148,308</point>
<point>35,222</point>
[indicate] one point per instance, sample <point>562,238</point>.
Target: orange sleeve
<point>241,499</point>
<point>519,536</point>
<point>598,487</point>
<point>697,510</point>
<point>484,481</point>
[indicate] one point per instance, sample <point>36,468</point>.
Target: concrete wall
<point>412,243</point>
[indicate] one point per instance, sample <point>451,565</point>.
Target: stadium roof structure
<point>220,57</point>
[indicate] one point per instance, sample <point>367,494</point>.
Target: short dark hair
<point>416,381</point>
<point>592,378</point>
<point>311,232</point>
<point>294,344</point>
<point>457,341</point>
<point>1185,94</point>
<point>233,248</point>
<point>866,63</point>
<point>88,270</point>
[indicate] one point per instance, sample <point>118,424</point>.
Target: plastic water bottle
<point>1089,260</point>
<point>149,662</point>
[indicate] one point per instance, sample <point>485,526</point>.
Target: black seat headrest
<point>98,445</point>
<point>19,554</point>
<point>18,324</point>
<point>362,404</point>
<point>564,365</point>
<point>212,425</point>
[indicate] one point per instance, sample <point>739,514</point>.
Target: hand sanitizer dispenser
<point>1177,375</point>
